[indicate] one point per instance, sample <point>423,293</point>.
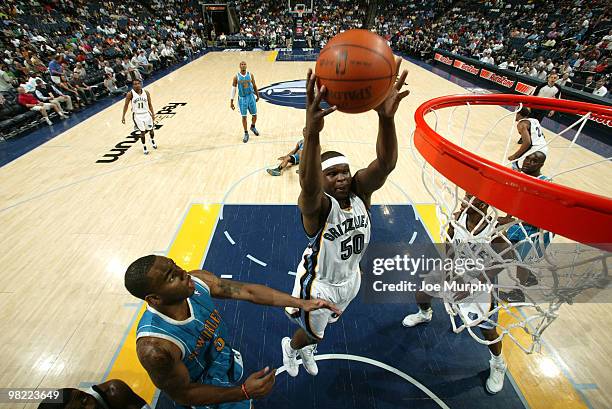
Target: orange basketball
<point>358,68</point>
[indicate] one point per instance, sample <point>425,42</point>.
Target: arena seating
<point>516,35</point>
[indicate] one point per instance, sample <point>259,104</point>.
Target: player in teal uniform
<point>182,339</point>
<point>248,95</point>
<point>290,159</point>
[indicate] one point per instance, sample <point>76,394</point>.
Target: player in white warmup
<point>334,206</point>
<point>143,114</point>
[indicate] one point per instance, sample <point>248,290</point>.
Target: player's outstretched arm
<point>163,363</point>
<point>291,152</point>
<point>258,294</point>
<point>128,98</point>
<point>374,176</point>
<point>312,202</point>
<point>523,130</point>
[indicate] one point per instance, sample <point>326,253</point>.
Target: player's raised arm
<point>258,294</point>
<point>163,363</point>
<point>233,95</point>
<point>312,202</point>
<point>128,98</point>
<point>373,177</point>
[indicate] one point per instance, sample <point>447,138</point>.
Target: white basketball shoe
<point>497,373</point>
<point>289,357</point>
<point>417,318</point>
<point>307,354</point>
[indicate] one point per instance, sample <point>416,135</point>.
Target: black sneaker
<point>254,130</point>
<point>245,138</point>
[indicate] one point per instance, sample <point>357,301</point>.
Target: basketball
<point>358,68</point>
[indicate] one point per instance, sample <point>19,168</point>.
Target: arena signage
<point>603,121</point>
<point>165,113</point>
<point>498,79</point>
<point>524,88</point>
<point>443,59</point>
<point>466,67</point>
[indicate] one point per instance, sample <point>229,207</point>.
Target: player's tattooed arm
<point>258,294</point>
<point>162,361</point>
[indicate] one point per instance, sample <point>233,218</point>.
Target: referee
<point>548,90</point>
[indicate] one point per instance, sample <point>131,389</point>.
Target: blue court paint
<point>452,366</point>
<point>586,386</point>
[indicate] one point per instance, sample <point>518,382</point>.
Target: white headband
<point>336,160</point>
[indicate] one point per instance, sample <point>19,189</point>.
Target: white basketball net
<point>556,274</point>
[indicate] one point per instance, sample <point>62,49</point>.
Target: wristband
<point>245,391</point>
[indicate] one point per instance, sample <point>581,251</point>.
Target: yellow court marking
<point>187,250</point>
<point>539,378</point>
<point>272,56</point>
<point>427,212</point>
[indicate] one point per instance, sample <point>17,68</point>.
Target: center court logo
<point>287,93</point>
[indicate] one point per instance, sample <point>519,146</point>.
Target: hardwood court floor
<point>70,225</point>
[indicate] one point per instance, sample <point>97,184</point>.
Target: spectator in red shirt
<point>29,101</point>
<point>604,66</point>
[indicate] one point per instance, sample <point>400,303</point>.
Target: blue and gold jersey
<point>245,85</point>
<point>201,337</point>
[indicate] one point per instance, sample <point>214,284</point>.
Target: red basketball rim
<point>580,216</point>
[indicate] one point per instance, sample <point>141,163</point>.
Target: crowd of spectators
<point>572,38</point>
<point>62,55</point>
<point>269,23</point>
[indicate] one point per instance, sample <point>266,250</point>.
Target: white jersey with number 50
<point>333,255</point>
<point>140,102</point>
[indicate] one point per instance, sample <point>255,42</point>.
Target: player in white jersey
<point>112,394</point>
<point>471,237</point>
<point>334,206</point>
<point>532,138</point>
<point>142,113</point>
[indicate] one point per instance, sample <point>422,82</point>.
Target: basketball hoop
<point>581,220</point>
<point>300,9</point>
